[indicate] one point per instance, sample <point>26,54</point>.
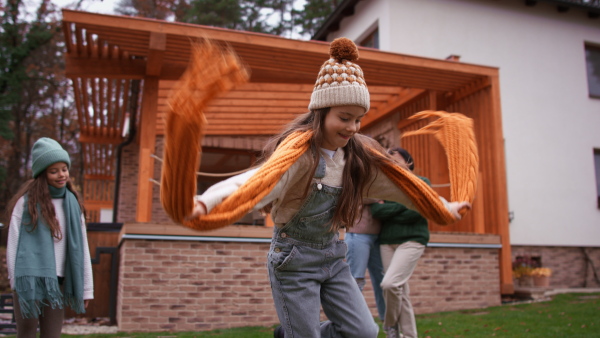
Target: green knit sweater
<point>400,224</point>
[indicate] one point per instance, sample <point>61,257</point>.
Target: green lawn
<point>567,315</point>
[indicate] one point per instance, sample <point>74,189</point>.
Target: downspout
<point>133,107</point>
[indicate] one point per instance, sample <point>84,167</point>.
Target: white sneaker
<point>391,332</point>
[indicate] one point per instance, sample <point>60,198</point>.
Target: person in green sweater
<point>403,237</point>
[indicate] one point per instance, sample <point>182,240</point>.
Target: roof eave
<point>331,24</point>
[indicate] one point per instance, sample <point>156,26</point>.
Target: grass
<point>566,315</point>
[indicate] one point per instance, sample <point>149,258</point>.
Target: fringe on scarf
<point>455,132</point>
<point>35,292</point>
<point>214,71</point>
<point>75,303</point>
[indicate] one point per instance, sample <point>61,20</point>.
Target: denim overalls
<point>307,269</point>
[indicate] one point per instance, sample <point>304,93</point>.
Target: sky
<point>94,6</point>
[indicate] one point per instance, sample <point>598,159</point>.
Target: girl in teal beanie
<point>47,252</point>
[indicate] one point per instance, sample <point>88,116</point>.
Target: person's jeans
<point>304,278</point>
<point>364,253</point>
<point>400,261</point>
<point>307,271</point>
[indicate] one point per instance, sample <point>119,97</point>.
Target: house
<point>174,278</point>
<point>548,56</point>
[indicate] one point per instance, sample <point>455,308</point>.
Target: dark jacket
<point>400,224</point>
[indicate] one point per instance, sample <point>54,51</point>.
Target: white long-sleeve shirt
<point>60,246</point>
<point>288,192</point>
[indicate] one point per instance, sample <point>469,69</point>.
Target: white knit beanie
<point>341,81</point>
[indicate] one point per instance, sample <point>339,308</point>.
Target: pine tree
<point>34,95</point>
<point>278,17</point>
<point>314,14</point>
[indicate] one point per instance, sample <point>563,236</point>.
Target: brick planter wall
<point>199,286</point>
<point>193,286</point>
<point>448,279</point>
<point>570,269</point>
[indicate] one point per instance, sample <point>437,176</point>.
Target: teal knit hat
<point>45,153</point>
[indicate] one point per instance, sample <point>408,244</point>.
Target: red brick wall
<point>449,279</point>
<point>193,286</point>
<point>197,286</point>
<point>570,269</point>
<point>129,184</point>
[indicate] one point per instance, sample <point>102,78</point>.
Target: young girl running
<point>47,250</point>
<point>321,192</point>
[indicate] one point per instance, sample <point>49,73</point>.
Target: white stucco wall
<point>550,124</point>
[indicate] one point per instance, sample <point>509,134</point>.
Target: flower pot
<point>526,281</point>
<point>541,281</point>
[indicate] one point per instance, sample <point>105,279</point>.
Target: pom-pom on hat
<point>46,152</point>
<point>341,81</point>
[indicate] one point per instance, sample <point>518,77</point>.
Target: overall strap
<point>320,172</point>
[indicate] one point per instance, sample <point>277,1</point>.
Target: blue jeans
<point>307,271</point>
<point>363,253</point>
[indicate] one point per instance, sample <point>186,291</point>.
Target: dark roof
<point>332,23</point>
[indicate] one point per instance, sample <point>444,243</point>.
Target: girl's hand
<point>199,210</point>
<point>455,207</point>
<point>86,303</point>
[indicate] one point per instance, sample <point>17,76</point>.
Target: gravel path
<point>74,326</point>
<point>88,329</point>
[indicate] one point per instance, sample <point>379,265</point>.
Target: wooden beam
<point>394,103</point>
<point>97,205</point>
<point>68,36</point>
<point>189,30</point>
<point>121,69</point>
<point>248,40</point>
<point>275,87</point>
<point>147,141</point>
<point>99,177</point>
<point>97,139</point>
<point>157,46</point>
<point>470,89</point>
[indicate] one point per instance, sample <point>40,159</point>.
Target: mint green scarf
<point>36,282</point>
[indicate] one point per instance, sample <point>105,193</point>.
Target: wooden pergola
<point>109,55</point>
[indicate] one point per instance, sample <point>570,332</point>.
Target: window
<point>592,57</point>
<point>597,165</point>
<point>372,40</point>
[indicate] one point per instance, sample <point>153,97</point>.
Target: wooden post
<point>147,135</point>
<point>498,187</point>
<point>147,147</point>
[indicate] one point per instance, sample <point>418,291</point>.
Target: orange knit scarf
<point>214,71</point>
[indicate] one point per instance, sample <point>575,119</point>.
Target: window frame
<point>597,171</point>
<point>593,81</point>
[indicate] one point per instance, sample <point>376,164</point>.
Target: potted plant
<point>522,274</point>
<point>541,276</point>
<point>523,267</point>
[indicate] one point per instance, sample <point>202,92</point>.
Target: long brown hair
<point>38,194</point>
<point>359,169</point>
